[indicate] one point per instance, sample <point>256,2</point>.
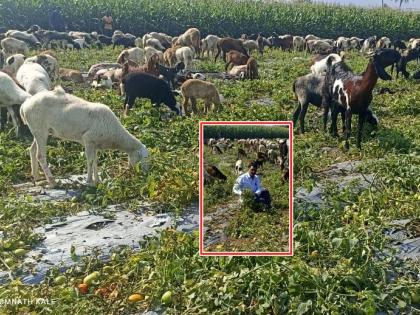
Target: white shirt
<point>246,182</point>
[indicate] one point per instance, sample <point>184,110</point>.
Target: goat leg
<point>362,118</point>
<point>3,118</point>
<point>302,117</point>
<point>296,113</point>
<point>348,128</point>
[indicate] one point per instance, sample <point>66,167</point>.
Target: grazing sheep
<point>239,167</point>
<point>209,45</point>
<point>298,43</point>
<point>356,43</point>
<point>194,88</point>
<point>153,42</point>
<point>70,75</point>
<point>185,55</point>
<point>14,46</point>
<point>272,156</point>
<point>100,66</point>
<point>252,69</point>
<point>320,67</point>
<point>262,148</point>
<point>311,37</point>
<point>323,47</point>
<point>26,37</point>
<point>49,63</point>
<point>144,85</point>
<point>368,44</point>
<point>13,63</point>
<point>226,44</point>
<point>126,40</point>
<point>11,94</point>
<point>251,45</point>
<point>135,54</point>
<point>191,37</point>
<point>68,117</point>
<point>235,58</point>
<point>241,153</point>
<point>33,77</point>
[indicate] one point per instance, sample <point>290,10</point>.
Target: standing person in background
<point>107,19</point>
<point>57,21</point>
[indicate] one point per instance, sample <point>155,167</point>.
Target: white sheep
<point>33,77</point>
<point>24,36</point>
<point>186,55</point>
<point>298,43</point>
<point>14,46</point>
<point>320,67</point>
<point>68,117</point>
<point>48,62</point>
<point>13,63</point>
<point>11,94</point>
<point>155,43</point>
<point>139,42</point>
<point>209,44</point>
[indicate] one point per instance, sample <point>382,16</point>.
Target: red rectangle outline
<point>201,245</point>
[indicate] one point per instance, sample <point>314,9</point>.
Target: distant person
<point>57,21</point>
<point>108,29</point>
<point>251,181</point>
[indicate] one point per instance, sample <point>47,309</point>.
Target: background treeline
<point>244,132</point>
<point>216,16</point>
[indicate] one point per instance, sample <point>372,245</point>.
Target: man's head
<point>252,168</point>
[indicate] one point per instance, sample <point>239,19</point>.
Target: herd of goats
<point>260,151</point>
<point>159,67</point>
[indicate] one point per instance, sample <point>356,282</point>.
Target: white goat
<point>239,166</point>
<point>320,67</point>
<point>11,94</point>
<point>209,44</point>
<point>13,63</point>
<point>135,54</point>
<point>186,55</point>
<point>68,117</point>
<point>14,46</point>
<point>33,77</point>
<point>155,43</point>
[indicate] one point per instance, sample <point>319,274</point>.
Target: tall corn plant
<point>214,16</point>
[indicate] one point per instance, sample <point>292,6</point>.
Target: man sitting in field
<point>251,181</point>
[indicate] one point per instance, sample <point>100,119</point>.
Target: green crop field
<point>338,266</point>
<point>213,17</point>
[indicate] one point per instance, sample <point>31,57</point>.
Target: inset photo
<point>246,188</point>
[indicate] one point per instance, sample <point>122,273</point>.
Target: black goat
<point>170,74</point>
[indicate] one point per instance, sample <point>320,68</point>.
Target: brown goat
<point>252,69</point>
<point>235,58</point>
<point>169,56</point>
<point>195,88</point>
<point>191,37</point>
<point>70,75</point>
<point>150,67</point>
<point>227,44</point>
